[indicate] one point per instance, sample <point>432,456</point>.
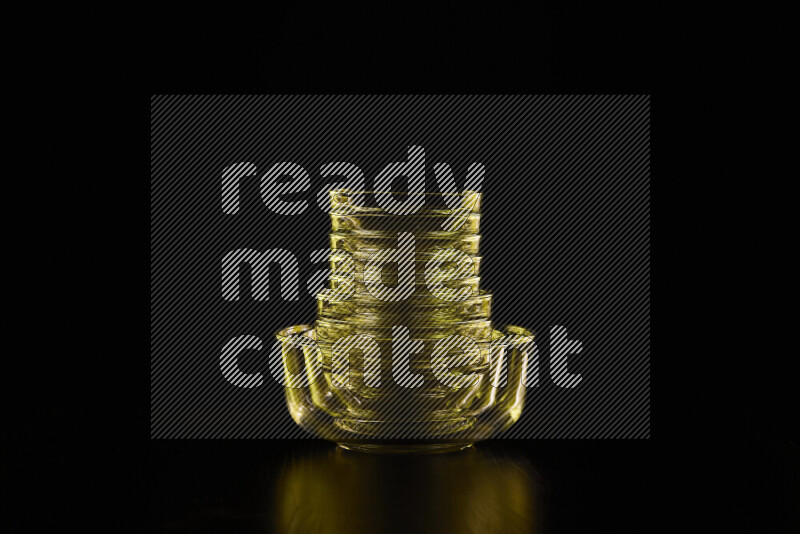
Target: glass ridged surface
<point>421,261</point>
<point>373,242</point>
<point>378,222</point>
<point>421,291</point>
<point>329,329</point>
<point>404,357</point>
<point>427,309</point>
<point>437,204</point>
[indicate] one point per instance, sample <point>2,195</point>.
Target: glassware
<point>427,371</point>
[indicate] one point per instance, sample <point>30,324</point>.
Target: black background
<point>723,451</point>
<point>724,443</point>
<point>442,47</point>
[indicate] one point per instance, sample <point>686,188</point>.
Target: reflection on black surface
<point>333,491</point>
<point>306,485</point>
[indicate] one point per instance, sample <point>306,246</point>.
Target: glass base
<point>387,430</point>
<point>403,448</point>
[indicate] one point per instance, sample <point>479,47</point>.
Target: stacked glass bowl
<point>403,355</point>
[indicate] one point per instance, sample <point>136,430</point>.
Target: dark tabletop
<point>497,486</point>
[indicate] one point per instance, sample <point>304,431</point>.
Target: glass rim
<point>392,234</point>
<point>483,294</point>
<point>466,192</point>
<point>454,324</point>
<point>289,331</point>
<point>363,255</point>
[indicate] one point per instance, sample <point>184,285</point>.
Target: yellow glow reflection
<point>338,491</point>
